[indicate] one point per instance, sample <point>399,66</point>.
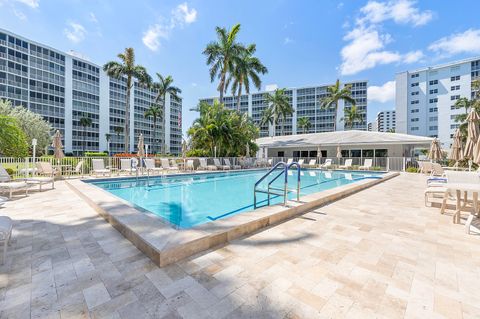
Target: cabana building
<point>357,144</point>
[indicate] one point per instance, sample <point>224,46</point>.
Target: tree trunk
<point>221,85</point>
<point>84,142</point>
<point>127,116</point>
<point>154,135</point>
<point>239,96</point>
<point>163,148</point>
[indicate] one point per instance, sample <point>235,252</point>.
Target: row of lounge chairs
<point>45,175</point>
<point>367,164</point>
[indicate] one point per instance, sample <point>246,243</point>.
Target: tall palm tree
<point>222,55</point>
<point>155,112</point>
<point>304,123</point>
<point>279,102</point>
<point>246,67</point>
<point>118,130</point>
<point>351,115</point>
<point>164,86</point>
<point>128,70</point>
<point>335,94</point>
<point>85,122</point>
<point>108,137</point>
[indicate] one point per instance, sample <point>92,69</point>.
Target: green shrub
<point>96,154</point>
<point>411,170</point>
<point>10,171</point>
<point>198,153</point>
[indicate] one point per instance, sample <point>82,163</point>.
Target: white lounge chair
<point>126,166</point>
<point>98,167</point>
<point>6,226</point>
<point>367,164</point>
<point>150,166</point>
<point>204,166</point>
<point>290,161</point>
<point>46,169</point>
<point>437,170</point>
<point>78,170</point>
<point>7,185</point>
<point>327,164</point>
<point>166,165</point>
<point>300,162</point>
<point>312,163</point>
<point>425,167</point>
<point>347,164</point>
<point>227,162</point>
<point>219,165</point>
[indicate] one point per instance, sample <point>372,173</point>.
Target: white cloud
<point>287,40</point>
<point>19,14</point>
<point>92,17</point>
<point>400,11</point>
<point>184,15</point>
<point>383,93</point>
<point>30,3</point>
<point>466,42</point>
<point>75,32</point>
<point>180,16</point>
<point>366,47</point>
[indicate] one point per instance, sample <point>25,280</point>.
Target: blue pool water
<point>190,200</point>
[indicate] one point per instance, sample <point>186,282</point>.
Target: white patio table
<point>458,188</point>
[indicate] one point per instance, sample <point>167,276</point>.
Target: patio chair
<point>126,166</point>
<point>204,166</point>
<point>227,162</point>
<point>425,167</point>
<point>219,165</point>
<point>150,166</point>
<point>6,226</point>
<point>290,161</point>
<point>327,164</point>
<point>7,185</point>
<point>98,167</point>
<point>312,163</point>
<point>367,164</point>
<point>437,170</point>
<point>347,164</point>
<point>166,165</point>
<point>77,170</point>
<point>301,162</point>
<point>48,172</point>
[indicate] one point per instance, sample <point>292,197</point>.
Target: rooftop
<point>345,138</point>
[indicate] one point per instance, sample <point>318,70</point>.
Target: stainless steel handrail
<point>263,178</point>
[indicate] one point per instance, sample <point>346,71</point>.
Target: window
<point>433,82</point>
<point>433,118</point>
<point>415,119</point>
<point>304,153</point>
<point>414,102</point>
<point>313,154</point>
<point>433,128</point>
<point>433,109</point>
<point>434,100</point>
<point>455,88</point>
<point>281,154</point>
<point>414,84</point>
<point>414,128</point>
<point>433,91</point>
<point>455,78</point>
<point>414,111</point>
<point>454,97</point>
<point>454,126</point>
<point>415,93</point>
<point>413,76</point>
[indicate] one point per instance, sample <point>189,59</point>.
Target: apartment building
<point>425,98</point>
<point>385,121</point>
<point>64,88</point>
<point>306,103</point>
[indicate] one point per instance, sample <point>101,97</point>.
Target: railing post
<point>388,164</point>
<point>403,163</point>
<point>26,167</point>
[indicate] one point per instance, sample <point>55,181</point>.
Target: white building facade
<point>64,88</point>
<point>385,121</point>
<point>306,103</point>
<point>425,98</point>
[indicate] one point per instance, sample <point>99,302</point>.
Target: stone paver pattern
<point>379,253</point>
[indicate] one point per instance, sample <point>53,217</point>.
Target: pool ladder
<point>275,190</point>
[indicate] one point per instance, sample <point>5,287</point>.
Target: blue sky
<point>301,42</point>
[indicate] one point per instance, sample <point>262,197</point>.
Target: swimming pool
<point>193,199</point>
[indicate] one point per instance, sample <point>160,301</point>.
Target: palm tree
<point>279,102</point>
<point>222,55</point>
<point>164,86</point>
<point>304,123</point>
<point>351,115</point>
<point>247,67</point>
<point>335,94</point>
<point>155,112</point>
<point>85,122</point>
<point>108,137</point>
<point>128,70</point>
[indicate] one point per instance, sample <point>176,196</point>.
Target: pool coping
<point>165,245</point>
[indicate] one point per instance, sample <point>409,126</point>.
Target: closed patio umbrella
<point>456,153</point>
<point>435,150</point>
<point>57,145</point>
<point>247,150</point>
<point>339,152</point>
<point>319,154</point>
<point>473,132</point>
<point>141,146</point>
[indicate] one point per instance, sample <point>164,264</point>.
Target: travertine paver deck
<point>376,254</point>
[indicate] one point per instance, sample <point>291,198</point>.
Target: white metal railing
<point>25,166</point>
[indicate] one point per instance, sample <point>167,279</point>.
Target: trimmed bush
<point>411,170</point>
<point>96,154</point>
